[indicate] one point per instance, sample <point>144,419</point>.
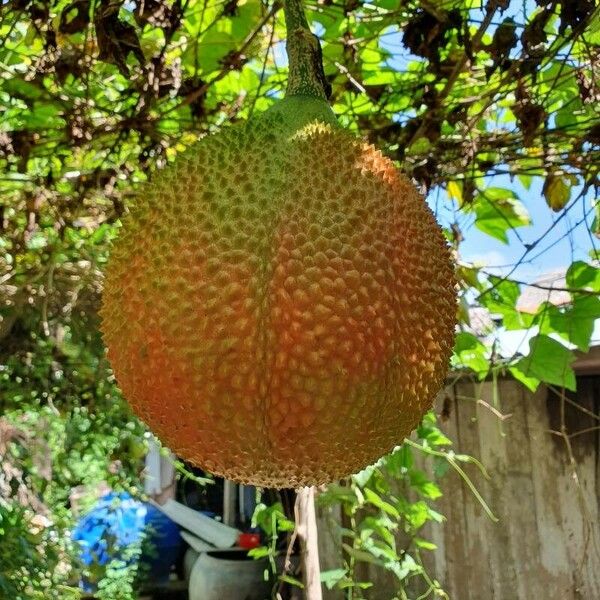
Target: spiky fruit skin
<point>279,307</point>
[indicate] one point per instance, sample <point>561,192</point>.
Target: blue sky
<point>565,235</point>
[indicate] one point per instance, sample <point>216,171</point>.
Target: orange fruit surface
<point>279,307</point>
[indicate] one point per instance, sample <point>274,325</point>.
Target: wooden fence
<point>542,454</point>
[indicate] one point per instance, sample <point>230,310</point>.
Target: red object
<point>249,540</point>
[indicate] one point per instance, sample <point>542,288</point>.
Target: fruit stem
<point>306,76</point>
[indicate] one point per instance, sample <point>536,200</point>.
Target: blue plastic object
<point>115,523</point>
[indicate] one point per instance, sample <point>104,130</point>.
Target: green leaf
<point>382,525</point>
<point>214,46</point>
<point>565,118</point>
<point>424,485</point>
<point>247,15</point>
<point>331,577</point>
<point>469,275</point>
<point>362,555</point>
<point>377,501</point>
<point>497,211</point>
<point>20,88</point>
<point>433,435</point>
<point>440,466</point>
<point>582,275</point>
<point>548,361</point>
<point>402,569</point>
<point>362,477</point>
<point>399,461</point>
<point>530,382</point>
<point>381,550</point>
<point>501,301</point>
<point>259,552</point>
<point>575,323</point>
<point>595,228</point>
<point>526,180</point>
<point>291,580</point>
<point>44,116</point>
<point>272,518</point>
<point>470,352</point>
<point>379,77</point>
<point>417,514</point>
<point>426,545</point>
<point>420,146</point>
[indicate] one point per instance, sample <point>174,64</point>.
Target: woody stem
<point>306,75</point>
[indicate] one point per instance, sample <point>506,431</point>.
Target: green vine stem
<point>451,458</point>
<point>306,75</point>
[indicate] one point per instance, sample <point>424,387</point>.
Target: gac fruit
<point>279,307</point>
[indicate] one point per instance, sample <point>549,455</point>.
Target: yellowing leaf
<point>455,192</point>
<point>557,190</point>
